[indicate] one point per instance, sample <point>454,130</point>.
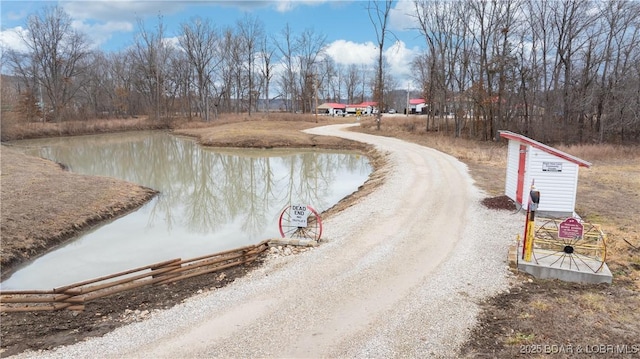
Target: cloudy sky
<point>351,39</point>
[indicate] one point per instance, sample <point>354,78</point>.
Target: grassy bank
<point>44,205</point>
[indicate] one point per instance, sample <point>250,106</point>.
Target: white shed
<point>553,172</point>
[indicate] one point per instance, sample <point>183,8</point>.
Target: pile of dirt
<point>500,202</point>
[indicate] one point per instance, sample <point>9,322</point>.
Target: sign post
<point>534,200</point>
<point>300,221</point>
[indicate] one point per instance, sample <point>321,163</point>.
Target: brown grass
<point>43,205</point>
<point>608,192</point>
<point>15,129</point>
<point>601,152</point>
<point>533,312</point>
<point>268,133</point>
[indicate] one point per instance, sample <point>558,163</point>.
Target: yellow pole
<point>534,200</point>
<point>528,241</point>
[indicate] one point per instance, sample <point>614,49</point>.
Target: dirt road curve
<point>397,275</point>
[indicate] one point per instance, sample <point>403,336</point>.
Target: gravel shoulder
<point>400,273</point>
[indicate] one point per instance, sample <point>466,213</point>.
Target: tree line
<point>207,71</point>
<point>553,70</point>
<point>564,71</point>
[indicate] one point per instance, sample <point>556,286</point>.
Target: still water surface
<point>210,199</point>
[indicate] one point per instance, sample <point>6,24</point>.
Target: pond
<point>210,199</point>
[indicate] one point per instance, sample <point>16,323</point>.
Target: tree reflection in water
<point>210,199</point>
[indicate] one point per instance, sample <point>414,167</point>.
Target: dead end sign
<point>570,228</point>
<point>299,214</point>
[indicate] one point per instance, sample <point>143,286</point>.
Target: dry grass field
<point>536,317</point>
<point>41,206</point>
<point>541,317</point>
<point>608,192</point>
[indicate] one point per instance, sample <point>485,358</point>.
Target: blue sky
<point>351,39</point>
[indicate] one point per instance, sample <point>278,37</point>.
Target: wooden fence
<point>74,296</point>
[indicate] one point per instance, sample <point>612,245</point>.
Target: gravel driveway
<point>399,274</point>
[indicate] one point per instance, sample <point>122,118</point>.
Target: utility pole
<point>408,92</point>
<point>315,93</point>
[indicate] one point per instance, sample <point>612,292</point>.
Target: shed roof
<point>417,101</point>
<point>541,146</point>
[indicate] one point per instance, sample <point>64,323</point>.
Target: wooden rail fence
<point>74,296</point>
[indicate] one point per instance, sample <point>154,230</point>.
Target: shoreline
<point>47,215</point>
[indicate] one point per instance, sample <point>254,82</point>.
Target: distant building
<point>417,105</point>
<point>366,108</point>
<point>332,109</point>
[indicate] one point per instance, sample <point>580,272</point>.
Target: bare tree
<point>556,70</point>
<point>150,56</point>
<point>620,35</point>
<point>266,69</point>
<point>351,82</point>
<point>54,59</point>
<point>300,56</point>
<point>251,33</point>
<point>287,51</point>
<point>379,16</point>
<point>127,100</point>
<point>570,18</point>
<point>310,46</point>
<point>199,41</point>
<point>431,66</point>
<point>96,97</point>
<point>179,84</point>
<point>228,70</point>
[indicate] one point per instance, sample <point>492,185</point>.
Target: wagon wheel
<point>588,252</point>
<point>312,231</point>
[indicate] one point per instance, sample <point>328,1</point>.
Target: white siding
<point>557,189</point>
<point>511,181</point>
<point>528,179</point>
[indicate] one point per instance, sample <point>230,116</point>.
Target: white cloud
<point>288,5</point>
<point>119,11</point>
<point>172,42</point>
<point>11,39</point>
<point>347,52</point>
<point>399,58</point>
<point>101,20</point>
<point>284,6</point>
<point>101,33</point>
<point>402,16</point>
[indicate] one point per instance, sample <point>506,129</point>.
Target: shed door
<point>522,164</point>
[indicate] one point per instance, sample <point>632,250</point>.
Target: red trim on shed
<point>522,166</point>
<point>541,146</point>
